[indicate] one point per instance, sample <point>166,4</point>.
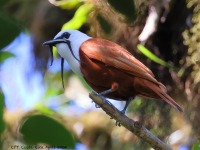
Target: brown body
<point>104,63</point>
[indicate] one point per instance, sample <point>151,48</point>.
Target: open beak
<point>52,43</point>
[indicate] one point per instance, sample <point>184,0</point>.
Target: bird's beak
<point>54,42</point>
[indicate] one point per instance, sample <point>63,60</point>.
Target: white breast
<point>64,52</point>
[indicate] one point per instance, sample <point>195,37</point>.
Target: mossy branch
<point>135,127</point>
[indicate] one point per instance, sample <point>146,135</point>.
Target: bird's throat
<point>65,52</point>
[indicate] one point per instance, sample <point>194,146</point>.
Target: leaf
<point>79,18</point>
<point>68,4</point>
<point>2,123</point>
<point>196,146</point>
<point>5,55</point>
<point>153,57</point>
<point>43,129</point>
<point>9,29</point>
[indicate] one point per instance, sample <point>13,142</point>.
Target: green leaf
<point>126,7</point>
<point>9,29</point>
<point>43,129</point>
<point>153,57</point>
<point>68,4</point>
<point>196,146</point>
<point>5,55</point>
<point>79,18</point>
<point>2,123</point>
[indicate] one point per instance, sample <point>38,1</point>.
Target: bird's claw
<point>97,106</point>
<point>118,124</point>
<point>123,112</point>
<point>109,103</point>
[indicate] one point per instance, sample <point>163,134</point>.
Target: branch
<point>133,126</point>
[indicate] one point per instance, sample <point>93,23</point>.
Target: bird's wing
<point>114,55</point>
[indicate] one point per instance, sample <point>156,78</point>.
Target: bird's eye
<point>66,35</point>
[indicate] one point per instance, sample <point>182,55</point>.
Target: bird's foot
<point>105,92</point>
<point>123,111</point>
<point>118,124</point>
<point>100,95</point>
<point>113,88</point>
<point>97,106</point>
<point>109,103</point>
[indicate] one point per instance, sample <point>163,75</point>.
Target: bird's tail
<point>162,94</point>
<point>150,89</point>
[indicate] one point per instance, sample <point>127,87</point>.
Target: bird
<point>108,68</point>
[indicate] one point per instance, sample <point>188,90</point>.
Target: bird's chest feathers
<point>65,52</point>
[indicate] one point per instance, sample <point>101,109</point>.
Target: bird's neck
<point>65,52</point>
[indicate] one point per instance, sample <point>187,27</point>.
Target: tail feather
<point>169,100</point>
<point>158,91</point>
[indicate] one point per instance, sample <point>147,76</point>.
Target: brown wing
<point>114,55</point>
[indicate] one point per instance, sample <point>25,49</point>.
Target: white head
<point>68,43</point>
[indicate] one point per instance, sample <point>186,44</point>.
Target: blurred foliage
<point>196,146</point>
<point>105,24</point>
<point>9,29</point>
<point>127,8</point>
<point>37,129</point>
<point>2,107</point>
<point>54,77</point>
<point>2,122</point>
<point>135,105</point>
<point>191,39</point>
<point>80,17</point>
<point>5,55</point>
<point>153,57</point>
<point>2,2</point>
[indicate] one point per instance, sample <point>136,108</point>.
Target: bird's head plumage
<point>68,43</point>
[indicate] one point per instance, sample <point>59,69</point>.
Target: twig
<point>133,126</point>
